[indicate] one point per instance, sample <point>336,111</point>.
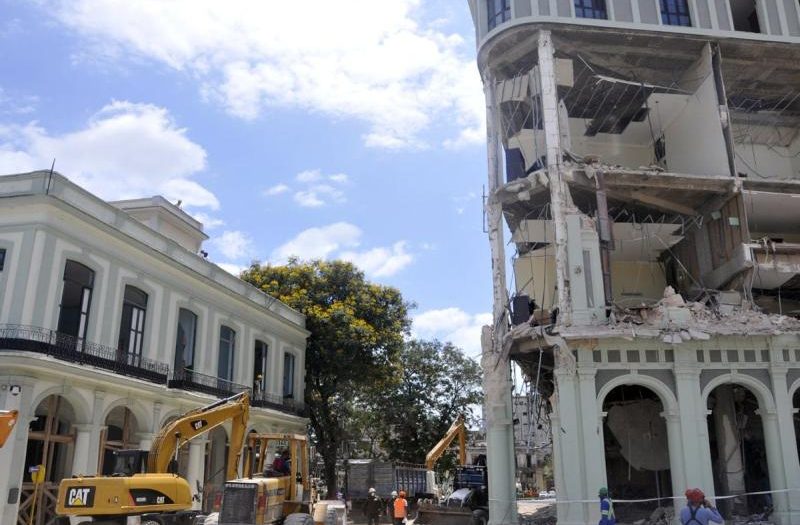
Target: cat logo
<point>80,497</point>
<point>198,424</point>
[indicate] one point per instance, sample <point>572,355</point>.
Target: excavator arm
<point>8,418</point>
<point>456,429</point>
<point>196,422</point>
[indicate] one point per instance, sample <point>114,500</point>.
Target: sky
<point>349,129</point>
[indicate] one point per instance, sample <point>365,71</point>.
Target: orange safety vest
<point>400,508</point>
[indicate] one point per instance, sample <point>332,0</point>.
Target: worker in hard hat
<point>390,506</point>
<point>400,511</point>
<point>373,507</point>
<point>698,510</point>
<point>606,508</point>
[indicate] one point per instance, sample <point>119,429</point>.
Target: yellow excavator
<point>269,492</point>
<point>8,418</point>
<point>457,429</point>
<point>143,483</point>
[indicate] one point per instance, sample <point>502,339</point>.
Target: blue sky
<point>349,129</point>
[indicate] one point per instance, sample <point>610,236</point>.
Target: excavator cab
<point>130,462</point>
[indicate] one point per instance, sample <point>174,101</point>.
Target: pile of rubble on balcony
<point>675,320</point>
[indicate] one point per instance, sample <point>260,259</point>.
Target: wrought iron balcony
<point>75,350</point>
<point>187,379</point>
<point>278,402</point>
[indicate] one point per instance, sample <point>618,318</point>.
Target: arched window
<point>185,340</point>
<point>76,298</point>
<point>227,347</point>
<point>131,326</point>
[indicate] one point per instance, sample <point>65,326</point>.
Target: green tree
<point>438,382</point>
<point>357,331</point>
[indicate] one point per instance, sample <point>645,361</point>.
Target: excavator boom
<point>456,429</point>
<point>196,422</point>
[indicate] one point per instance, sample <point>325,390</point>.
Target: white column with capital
<point>677,473</point>
<point>568,450</point>
<point>693,429</point>
<point>788,444</point>
<point>775,463</point>
<point>196,470</point>
<point>87,449</point>
<point>592,434</point>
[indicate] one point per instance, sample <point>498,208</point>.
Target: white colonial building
<point>111,324</point>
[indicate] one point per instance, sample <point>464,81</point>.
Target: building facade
<point>112,323</point>
<point>645,156</point>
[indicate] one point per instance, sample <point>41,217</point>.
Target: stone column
<point>731,473</point>
<point>87,449</point>
<point>195,474</point>
<point>12,455</point>
<point>593,447</point>
<point>788,443</point>
<point>693,435</point>
<point>570,455</point>
<point>775,464</point>
<point>677,473</point>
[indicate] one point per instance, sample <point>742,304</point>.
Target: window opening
<point>745,16</point>
<point>227,343</point>
<point>131,327</point>
<point>498,11</point>
<point>675,13</point>
<point>288,375</point>
<point>76,299</point>
<point>2,258</point>
<point>590,9</point>
<point>260,368</point>
<point>185,340</point>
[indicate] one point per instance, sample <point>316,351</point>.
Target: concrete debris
<point>539,515</point>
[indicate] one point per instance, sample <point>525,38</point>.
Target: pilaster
<point>786,435</point>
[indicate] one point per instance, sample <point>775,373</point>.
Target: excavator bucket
<point>8,418</point>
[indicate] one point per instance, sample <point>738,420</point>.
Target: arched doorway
<point>636,451</point>
<point>738,450</point>
<point>50,444</point>
<point>120,433</point>
<point>216,463</point>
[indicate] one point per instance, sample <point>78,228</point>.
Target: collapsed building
<point>645,157</point>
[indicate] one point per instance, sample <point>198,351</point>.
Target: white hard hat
<point>371,491</point>
<point>394,493</point>
<point>277,454</point>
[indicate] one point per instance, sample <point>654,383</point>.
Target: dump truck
<point>8,418</point>
<point>144,483</point>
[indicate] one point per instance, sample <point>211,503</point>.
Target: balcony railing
<point>278,402</point>
<point>216,386</point>
<point>75,350</point>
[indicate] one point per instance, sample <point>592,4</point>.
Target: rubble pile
<point>725,313</point>
<point>544,515</point>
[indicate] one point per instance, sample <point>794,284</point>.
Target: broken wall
<point>767,155</point>
<point>698,123</point>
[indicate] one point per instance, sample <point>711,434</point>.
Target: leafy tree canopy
<point>357,332</point>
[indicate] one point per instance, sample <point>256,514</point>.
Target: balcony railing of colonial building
<point>79,351</point>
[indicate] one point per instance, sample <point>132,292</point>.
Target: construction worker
<point>390,506</point>
<point>373,507</point>
<point>698,510</point>
<point>606,508</point>
<point>400,508</point>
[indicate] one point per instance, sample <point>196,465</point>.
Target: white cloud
<point>340,241</point>
<point>276,190</point>
<point>318,195</point>
<point>125,150</point>
<point>452,324</point>
<point>308,176</point>
<point>233,269</point>
<point>209,222</point>
<point>381,262</point>
<point>320,242</point>
<point>379,62</point>
<point>233,244</point>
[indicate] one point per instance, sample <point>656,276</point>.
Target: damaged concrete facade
<point>645,156</point>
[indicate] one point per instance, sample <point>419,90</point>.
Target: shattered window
<point>675,13</point>
<point>590,9</point>
<point>498,11</point>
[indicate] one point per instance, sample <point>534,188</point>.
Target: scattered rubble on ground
<point>538,515</point>
<point>659,516</point>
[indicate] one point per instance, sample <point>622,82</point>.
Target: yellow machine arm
<point>197,422</point>
<point>8,418</point>
<point>456,429</point>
